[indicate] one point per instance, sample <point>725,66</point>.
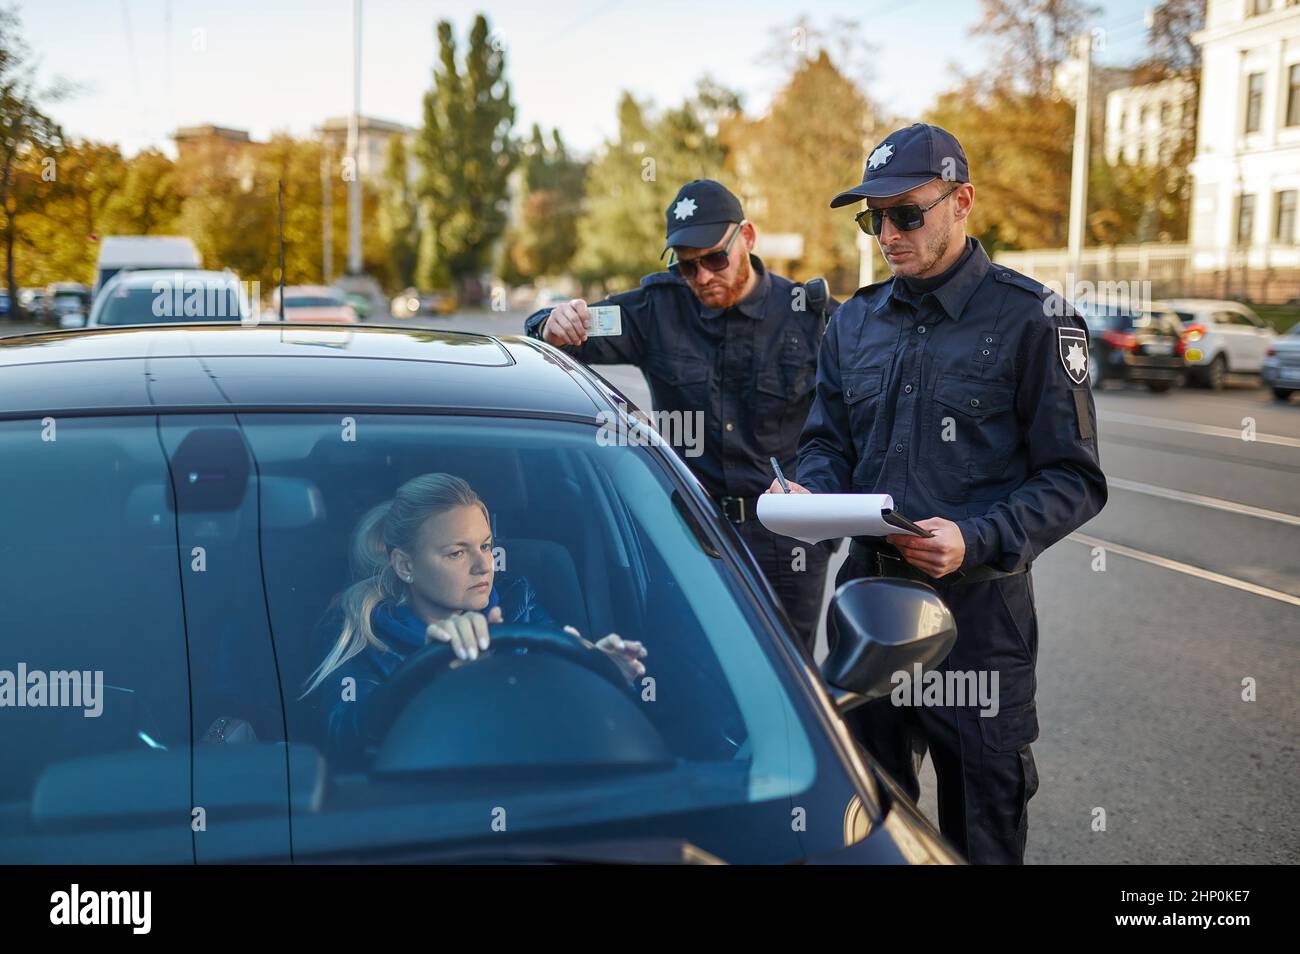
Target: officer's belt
<point>885,563</point>
<point>739,509</point>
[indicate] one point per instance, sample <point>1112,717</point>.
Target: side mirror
<point>881,626</point>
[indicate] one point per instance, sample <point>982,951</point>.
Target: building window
<point>1164,114</point>
<point>1259,7</point>
<point>1254,101</point>
<point>1245,218</point>
<point>1293,96</point>
<point>1284,230</point>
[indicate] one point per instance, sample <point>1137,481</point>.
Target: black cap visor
<point>701,235</point>
<point>881,187</point>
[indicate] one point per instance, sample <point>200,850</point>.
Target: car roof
<point>145,277</point>
<point>116,250</point>
<point>301,367</point>
<point>1195,304</point>
<point>312,290</point>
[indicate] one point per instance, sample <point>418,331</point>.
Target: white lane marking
<point>1193,428</point>
<point>1215,503</point>
<point>1187,568</point>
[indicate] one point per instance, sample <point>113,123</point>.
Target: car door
<point>1261,336</point>
<point>1237,339</point>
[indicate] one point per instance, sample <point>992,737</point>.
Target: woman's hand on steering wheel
<point>626,653</point>
<point>467,632</point>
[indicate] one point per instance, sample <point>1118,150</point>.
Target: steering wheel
<point>434,660</point>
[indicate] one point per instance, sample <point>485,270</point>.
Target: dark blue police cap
<point>908,158</point>
<point>700,214</point>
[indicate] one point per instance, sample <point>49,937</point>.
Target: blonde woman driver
<point>425,572</point>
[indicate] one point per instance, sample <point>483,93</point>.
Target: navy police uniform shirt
<point>969,402</point>
<point>750,369</point>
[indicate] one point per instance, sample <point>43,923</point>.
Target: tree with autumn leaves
<point>464,196</point>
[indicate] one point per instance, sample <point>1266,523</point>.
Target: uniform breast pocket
<point>971,429</point>
<point>679,383</point>
<point>861,389</point>
<point>781,404</point>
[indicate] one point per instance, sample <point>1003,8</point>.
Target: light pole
<point>354,135</point>
<point>1079,166</point>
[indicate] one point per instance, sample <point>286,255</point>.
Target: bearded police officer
<point>961,388</point>
<point>721,337</point>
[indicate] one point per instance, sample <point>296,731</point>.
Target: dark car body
<point>1140,345</point>
<point>175,398</point>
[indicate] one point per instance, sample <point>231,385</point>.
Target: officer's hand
<point>936,556</point>
<point>794,488</point>
<point>626,653</point>
<point>567,324</point>
<point>467,632</point>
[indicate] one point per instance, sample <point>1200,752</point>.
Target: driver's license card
<point>605,320</point>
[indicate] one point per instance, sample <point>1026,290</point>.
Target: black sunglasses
<point>713,261</point>
<point>906,218</point>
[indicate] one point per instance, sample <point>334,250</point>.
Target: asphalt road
<point>1142,663</point>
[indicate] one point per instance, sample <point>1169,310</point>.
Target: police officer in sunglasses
<point>720,336</point>
<point>960,387</point>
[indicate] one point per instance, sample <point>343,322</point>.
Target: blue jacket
<point>403,632</point>
<point>970,403</point>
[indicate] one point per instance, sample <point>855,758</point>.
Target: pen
<point>779,476</point>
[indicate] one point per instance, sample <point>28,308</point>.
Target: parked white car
<point>1221,336</point>
<point>180,296</point>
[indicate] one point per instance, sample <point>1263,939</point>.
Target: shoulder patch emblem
<point>1072,345</point>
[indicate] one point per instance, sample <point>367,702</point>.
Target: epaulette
<point>1012,277</point>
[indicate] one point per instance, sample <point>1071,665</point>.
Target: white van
<point>119,252</point>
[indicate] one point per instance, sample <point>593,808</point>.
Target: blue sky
<point>148,66</point>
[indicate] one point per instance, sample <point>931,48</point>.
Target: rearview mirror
<point>879,627</point>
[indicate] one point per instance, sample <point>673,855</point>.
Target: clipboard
<point>896,519</point>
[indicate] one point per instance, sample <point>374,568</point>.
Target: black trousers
<point>798,584</point>
<point>983,764</point>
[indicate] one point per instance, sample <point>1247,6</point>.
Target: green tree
<point>465,154</point>
<point>1016,127</point>
<point>631,183</point>
<point>544,238</point>
<point>807,148</point>
<point>29,142</point>
<point>396,220</point>
<point>148,200</point>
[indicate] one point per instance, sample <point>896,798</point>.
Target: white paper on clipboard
<point>813,518</point>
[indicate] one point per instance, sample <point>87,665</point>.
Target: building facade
<point>373,136</point>
<point>1145,124</point>
<point>1245,232</point>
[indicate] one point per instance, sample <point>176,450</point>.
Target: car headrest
<point>210,469</point>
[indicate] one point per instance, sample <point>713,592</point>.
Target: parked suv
<point>1221,336</point>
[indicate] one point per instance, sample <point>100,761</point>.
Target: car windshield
<point>208,566</point>
<point>166,300</point>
